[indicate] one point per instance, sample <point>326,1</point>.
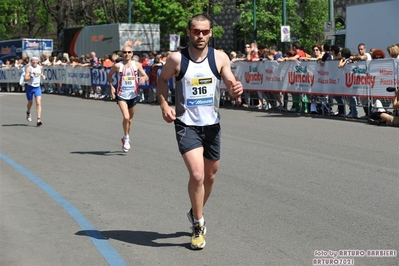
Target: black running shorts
<point>130,103</point>
<point>192,137</point>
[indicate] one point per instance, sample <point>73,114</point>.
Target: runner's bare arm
<point>114,69</point>
<point>144,77</point>
<point>169,70</point>
<point>27,74</point>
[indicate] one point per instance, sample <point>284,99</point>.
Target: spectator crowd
<point>278,101</point>
<point>151,59</point>
<point>319,104</point>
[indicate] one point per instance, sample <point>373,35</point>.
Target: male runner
<point>127,94</point>
<point>198,70</point>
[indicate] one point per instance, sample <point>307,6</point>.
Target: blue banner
<point>38,45</point>
<point>10,49</point>
<point>99,77</point>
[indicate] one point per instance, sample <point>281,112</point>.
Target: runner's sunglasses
<point>197,32</point>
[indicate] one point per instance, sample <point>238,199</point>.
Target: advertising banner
<point>363,79</point>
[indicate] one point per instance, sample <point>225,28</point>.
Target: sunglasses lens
<point>127,52</point>
<point>197,32</point>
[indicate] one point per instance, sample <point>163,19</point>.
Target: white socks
<point>201,221</point>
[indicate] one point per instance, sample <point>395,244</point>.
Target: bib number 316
<point>199,90</point>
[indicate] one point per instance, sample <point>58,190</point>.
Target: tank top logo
<point>199,91</point>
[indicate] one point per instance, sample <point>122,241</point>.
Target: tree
<point>37,16</point>
<point>23,18</point>
<point>268,20</point>
<point>172,15</point>
<point>12,10</point>
<point>311,32</point>
<point>306,20</point>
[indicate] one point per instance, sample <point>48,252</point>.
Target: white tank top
<point>36,73</point>
<point>128,84</point>
<point>198,94</point>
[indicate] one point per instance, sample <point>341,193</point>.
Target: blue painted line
<point>99,241</point>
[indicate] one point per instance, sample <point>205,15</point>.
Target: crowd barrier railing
<point>363,79</point>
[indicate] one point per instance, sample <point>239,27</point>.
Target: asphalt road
<point>289,188</point>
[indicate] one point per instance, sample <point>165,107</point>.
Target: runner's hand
<point>112,92</point>
<point>168,114</point>
<point>235,88</point>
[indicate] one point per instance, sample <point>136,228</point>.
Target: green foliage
<point>268,20</point>
<point>339,26</point>
<point>306,21</point>
<point>23,18</point>
<point>45,19</point>
<point>101,17</point>
<point>311,32</point>
<point>37,17</point>
<point>172,15</point>
<point>13,14</point>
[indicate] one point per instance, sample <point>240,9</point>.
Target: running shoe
<point>198,236</point>
<point>125,144</point>
<point>190,217</point>
<point>39,122</point>
<point>28,117</point>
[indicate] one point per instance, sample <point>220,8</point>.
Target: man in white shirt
<point>363,55</point>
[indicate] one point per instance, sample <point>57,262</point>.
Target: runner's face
<point>127,53</point>
<point>34,62</point>
<point>202,32</point>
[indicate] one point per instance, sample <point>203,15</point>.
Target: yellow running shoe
<point>198,236</point>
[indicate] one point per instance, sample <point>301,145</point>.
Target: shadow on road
<point>16,125</point>
<point>142,238</point>
<point>104,153</point>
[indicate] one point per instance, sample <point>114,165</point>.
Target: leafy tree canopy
<point>36,18</point>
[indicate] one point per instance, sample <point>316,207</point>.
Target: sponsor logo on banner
<point>78,75</point>
<point>301,76</point>
<point>99,77</point>
<point>358,78</point>
<point>253,76</point>
<point>55,74</point>
<point>9,74</point>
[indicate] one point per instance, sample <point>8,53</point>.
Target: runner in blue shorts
<point>33,76</point>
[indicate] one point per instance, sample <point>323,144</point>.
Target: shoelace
<point>198,230</point>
